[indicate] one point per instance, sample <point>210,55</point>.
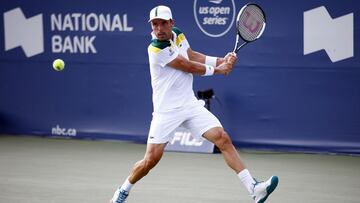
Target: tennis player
<point>172,67</point>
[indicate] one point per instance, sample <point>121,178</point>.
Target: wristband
<point>210,60</point>
<point>209,70</point>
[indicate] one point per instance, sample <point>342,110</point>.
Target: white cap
<point>160,12</point>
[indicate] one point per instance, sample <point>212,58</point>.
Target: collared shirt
<point>172,88</point>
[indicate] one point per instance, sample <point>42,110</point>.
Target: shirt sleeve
<point>185,43</point>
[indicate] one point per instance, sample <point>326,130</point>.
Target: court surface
<point>39,170</point>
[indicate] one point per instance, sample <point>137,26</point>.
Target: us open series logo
<point>214,17</point>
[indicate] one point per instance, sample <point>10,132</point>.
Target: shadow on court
<point>39,170</point>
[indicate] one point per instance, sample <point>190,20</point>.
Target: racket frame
<point>238,46</point>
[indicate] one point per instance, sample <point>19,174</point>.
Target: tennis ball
<point>58,64</point>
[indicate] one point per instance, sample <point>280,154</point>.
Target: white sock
<point>126,186</point>
<point>247,180</point>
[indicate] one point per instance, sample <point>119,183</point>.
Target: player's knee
<point>223,140</point>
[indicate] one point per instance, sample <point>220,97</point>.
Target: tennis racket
<point>250,25</point>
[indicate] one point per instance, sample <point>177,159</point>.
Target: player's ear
<point>172,22</point>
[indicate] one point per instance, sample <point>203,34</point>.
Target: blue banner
<point>295,88</point>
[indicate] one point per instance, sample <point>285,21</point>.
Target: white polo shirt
<point>172,88</point>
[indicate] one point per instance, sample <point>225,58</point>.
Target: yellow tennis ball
<point>58,64</point>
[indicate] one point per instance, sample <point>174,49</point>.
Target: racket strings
<point>250,23</point>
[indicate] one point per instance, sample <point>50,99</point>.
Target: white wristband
<point>210,60</point>
<point>209,70</point>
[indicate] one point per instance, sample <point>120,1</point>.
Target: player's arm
<point>198,68</point>
<point>202,58</point>
<point>211,60</point>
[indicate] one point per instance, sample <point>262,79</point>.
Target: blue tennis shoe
<point>119,196</point>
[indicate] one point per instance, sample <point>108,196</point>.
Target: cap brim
<point>158,18</point>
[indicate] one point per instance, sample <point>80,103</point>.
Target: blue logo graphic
<point>214,17</point>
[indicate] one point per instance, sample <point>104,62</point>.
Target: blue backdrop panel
<point>277,97</point>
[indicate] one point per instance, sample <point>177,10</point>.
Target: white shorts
<point>195,118</point>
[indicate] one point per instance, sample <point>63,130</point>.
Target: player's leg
<point>258,190</point>
<point>221,139</point>
<point>141,168</point>
<point>161,127</point>
<point>203,123</point>
<point>152,156</point>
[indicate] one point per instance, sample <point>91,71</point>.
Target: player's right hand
<point>225,68</point>
<point>230,57</point>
